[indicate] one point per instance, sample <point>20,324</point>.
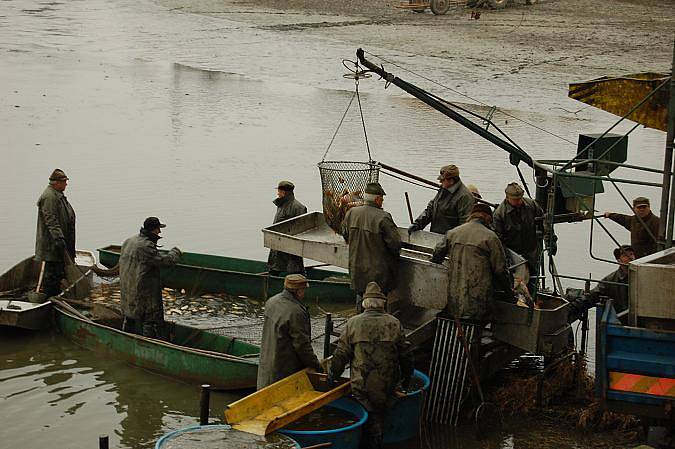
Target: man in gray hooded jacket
<point>140,283</point>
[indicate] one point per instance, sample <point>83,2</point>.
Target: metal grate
<point>343,184</point>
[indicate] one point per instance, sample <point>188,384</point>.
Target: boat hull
<point>24,315</point>
<point>206,273</point>
<point>199,366</point>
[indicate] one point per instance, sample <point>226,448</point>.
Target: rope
<point>473,99</point>
<point>363,122</point>
<point>349,105</point>
<point>408,180</point>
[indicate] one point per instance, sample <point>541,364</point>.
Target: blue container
<point>344,438</point>
<point>194,430</point>
<point>402,421</point>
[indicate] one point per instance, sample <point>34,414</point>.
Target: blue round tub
<point>402,421</point>
<point>344,438</point>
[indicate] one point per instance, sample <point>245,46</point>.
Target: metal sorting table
<point>423,284</point>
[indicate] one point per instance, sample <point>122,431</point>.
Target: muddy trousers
<point>53,275</point>
<point>373,430</point>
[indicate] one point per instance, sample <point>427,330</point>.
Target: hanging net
<point>342,185</point>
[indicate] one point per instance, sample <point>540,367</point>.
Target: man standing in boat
<point>515,222</point>
<point>287,207</point>
<point>55,236</point>
<point>615,284</point>
<point>286,340</point>
<point>477,266</point>
<point>140,284</point>
<point>449,208</point>
<point>374,243</point>
<point>643,226</point>
<point>374,344</point>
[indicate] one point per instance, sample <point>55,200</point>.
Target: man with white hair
<point>374,243</point>
<point>375,345</point>
<point>55,236</point>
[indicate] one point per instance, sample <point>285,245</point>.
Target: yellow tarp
<point>619,95</point>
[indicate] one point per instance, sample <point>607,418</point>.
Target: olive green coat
<point>286,340</point>
<point>56,220</point>
<point>643,244</point>
<point>477,264</point>
<point>517,229</point>
<point>287,207</point>
<point>619,293</point>
<point>375,345</point>
<point>374,247</point>
<point>448,209</point>
<point>140,283</point>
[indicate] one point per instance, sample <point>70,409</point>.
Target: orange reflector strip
<point>636,383</point>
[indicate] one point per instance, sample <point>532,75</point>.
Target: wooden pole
<point>204,405</point>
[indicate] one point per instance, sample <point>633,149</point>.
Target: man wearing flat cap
<point>287,207</point>
<point>642,236</point>
<point>286,346</point>
<point>55,236</point>
<point>140,282</point>
<point>449,208</point>
<point>477,267</point>
<point>374,343</point>
<point>374,243</point>
<point>615,284</point>
<point>515,222</point>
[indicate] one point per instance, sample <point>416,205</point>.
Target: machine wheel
<point>440,7</point>
<point>497,4</point>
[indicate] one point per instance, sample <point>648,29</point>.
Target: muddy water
<point>194,119</point>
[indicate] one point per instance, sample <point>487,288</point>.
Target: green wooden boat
<point>192,355</point>
<point>206,273</point>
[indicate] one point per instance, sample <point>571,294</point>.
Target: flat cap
<point>480,207</point>
<point>514,190</point>
<point>373,291</point>
<point>640,200</point>
<point>58,175</point>
<point>295,281</point>
<point>622,249</point>
<point>474,191</point>
<point>288,186</point>
<point>449,171</point>
<point>151,223</point>
<point>374,188</point>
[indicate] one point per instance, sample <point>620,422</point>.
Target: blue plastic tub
<point>402,421</point>
<point>344,438</point>
<point>171,437</point>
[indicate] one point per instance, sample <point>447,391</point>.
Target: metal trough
<point>419,281</point>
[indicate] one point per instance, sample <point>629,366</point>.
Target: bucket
<point>402,421</point>
<point>347,437</point>
<point>221,436</point>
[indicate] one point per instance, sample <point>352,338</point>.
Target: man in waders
<point>287,207</point>
<point>55,236</point>
<point>374,243</point>
<point>140,284</point>
<point>374,344</point>
<point>477,266</point>
<point>449,208</point>
<point>286,346</point>
<point>515,222</point>
<point>615,284</point>
<point>640,235</point>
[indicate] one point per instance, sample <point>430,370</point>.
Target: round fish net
<point>223,437</point>
<point>343,184</point>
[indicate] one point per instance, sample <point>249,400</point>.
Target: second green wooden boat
<point>206,273</point>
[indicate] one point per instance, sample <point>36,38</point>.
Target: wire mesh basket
<point>342,185</point>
